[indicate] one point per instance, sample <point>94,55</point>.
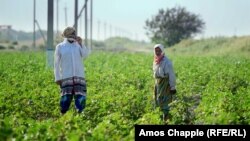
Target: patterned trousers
<point>73,88</point>
<point>162,94</point>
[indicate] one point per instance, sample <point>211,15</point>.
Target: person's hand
<point>59,82</point>
<point>79,40</point>
<point>173,91</point>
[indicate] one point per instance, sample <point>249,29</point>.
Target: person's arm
<point>172,77</point>
<point>154,70</point>
<point>57,60</point>
<point>84,50</point>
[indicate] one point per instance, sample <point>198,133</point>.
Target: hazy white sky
<point>127,17</point>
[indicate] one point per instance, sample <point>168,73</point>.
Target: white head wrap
<point>160,46</point>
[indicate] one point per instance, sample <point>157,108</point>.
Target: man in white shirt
<point>165,80</point>
<point>69,70</point>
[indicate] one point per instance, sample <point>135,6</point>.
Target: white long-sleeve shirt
<point>164,69</point>
<point>68,59</point>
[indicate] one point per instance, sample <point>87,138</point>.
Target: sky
<point>127,17</point>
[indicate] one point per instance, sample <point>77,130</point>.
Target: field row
<point>210,90</point>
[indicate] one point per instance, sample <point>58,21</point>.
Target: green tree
<point>172,25</point>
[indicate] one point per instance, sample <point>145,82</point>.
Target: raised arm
<point>84,50</point>
<point>57,60</point>
<point>172,77</point>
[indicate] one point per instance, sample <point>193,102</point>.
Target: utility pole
<point>76,15</point>
<point>80,28</point>
<point>34,25</point>
<point>66,20</point>
<point>50,34</point>
<point>98,30</point>
<point>57,17</point>
<point>86,22</point>
<point>110,30</point>
<point>85,6</point>
<point>117,32</point>
<point>91,21</point>
<point>104,30</point>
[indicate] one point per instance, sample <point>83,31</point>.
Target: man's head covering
<point>69,32</point>
<point>160,46</point>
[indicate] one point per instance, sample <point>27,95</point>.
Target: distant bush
<point>41,47</point>
<point>24,48</point>
<point>246,48</point>
<point>15,43</point>
<point>2,47</point>
<point>98,44</point>
<point>11,47</point>
<point>6,41</point>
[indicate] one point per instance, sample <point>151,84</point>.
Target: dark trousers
<point>80,102</point>
<point>73,88</point>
